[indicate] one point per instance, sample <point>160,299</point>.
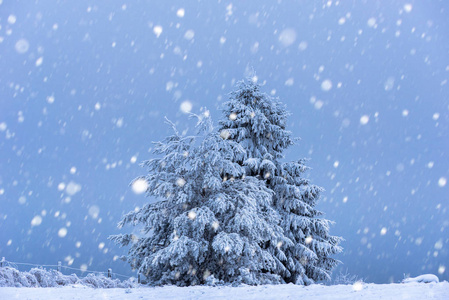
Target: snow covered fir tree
<point>257,122</point>
<point>229,210</point>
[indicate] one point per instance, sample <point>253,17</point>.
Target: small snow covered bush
<point>101,281</point>
<point>10,277</point>
<point>345,278</point>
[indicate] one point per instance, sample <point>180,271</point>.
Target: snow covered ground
<point>412,290</point>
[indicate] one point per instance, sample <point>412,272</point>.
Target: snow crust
<point>413,290</point>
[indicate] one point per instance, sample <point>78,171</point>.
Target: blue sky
<point>85,87</point>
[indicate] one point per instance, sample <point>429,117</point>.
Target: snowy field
<point>413,290</point>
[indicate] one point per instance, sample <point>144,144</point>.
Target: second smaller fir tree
<point>212,223</point>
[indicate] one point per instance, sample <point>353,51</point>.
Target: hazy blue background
<point>85,85</point>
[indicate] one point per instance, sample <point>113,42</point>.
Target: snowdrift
<point>48,285</point>
<point>410,291</point>
<point>426,278</point>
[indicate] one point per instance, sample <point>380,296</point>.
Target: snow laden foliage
<point>213,224</point>
<point>11,277</point>
<point>257,123</point>
<point>229,210</point>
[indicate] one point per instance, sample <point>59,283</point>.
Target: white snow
<point>22,200</point>
<point>189,34</point>
<point>289,82</point>
<point>364,119</point>
<point>186,106</point>
<point>22,46</point>
<point>180,182</point>
<point>94,211</point>
<point>12,19</point>
<point>51,99</point>
<point>408,7</point>
<point>412,290</point>
<point>157,30</point>
<point>371,22</point>
<point>72,188</point>
<point>389,83</point>
<point>326,85</point>
<point>180,13</point>
<point>287,37</point>
<point>139,186</point>
<point>39,61</point>
<point>36,221</point>
<point>302,46</point>
<point>62,232</point>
